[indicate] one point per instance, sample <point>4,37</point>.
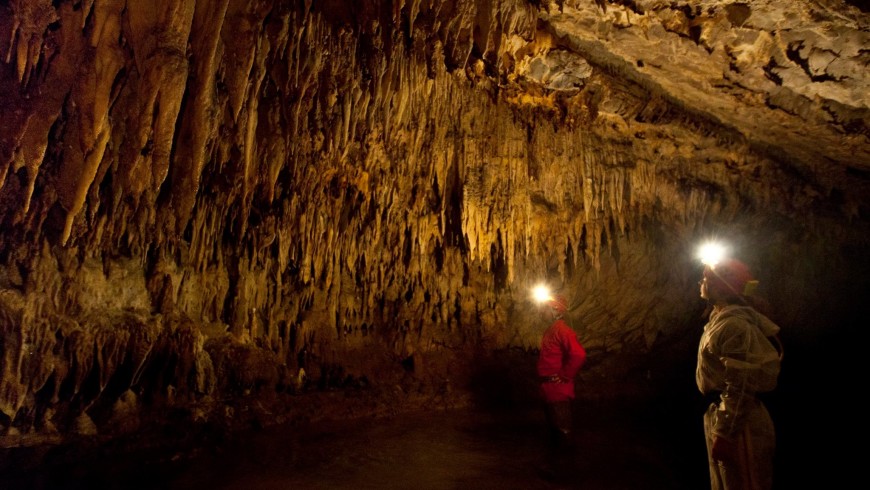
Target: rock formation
<point>205,205</point>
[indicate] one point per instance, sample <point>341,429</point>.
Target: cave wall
<point>206,200</point>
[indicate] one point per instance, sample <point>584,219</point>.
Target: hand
<point>723,449</point>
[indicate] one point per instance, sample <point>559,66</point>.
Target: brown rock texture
<point>229,204</point>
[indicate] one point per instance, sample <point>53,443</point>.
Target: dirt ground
<point>618,447</point>
<point>450,450</point>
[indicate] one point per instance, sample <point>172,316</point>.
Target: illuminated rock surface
<point>228,211</point>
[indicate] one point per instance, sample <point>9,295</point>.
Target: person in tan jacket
<point>738,358</point>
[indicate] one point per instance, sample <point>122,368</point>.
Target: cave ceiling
<point>323,180</point>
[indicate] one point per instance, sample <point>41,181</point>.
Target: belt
<point>551,379</point>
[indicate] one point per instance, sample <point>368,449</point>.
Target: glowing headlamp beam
<point>541,293</point>
<point>711,253</point>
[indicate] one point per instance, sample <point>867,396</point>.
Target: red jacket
<point>562,356</point>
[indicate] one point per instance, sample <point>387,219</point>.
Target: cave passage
<point>289,244</point>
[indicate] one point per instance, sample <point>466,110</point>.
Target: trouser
<point>559,426</point>
<point>753,467</point>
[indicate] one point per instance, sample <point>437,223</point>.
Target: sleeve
<point>736,341</point>
<point>574,354</point>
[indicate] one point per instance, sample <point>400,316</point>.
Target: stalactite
<point>311,183</point>
<point>79,350</point>
<point>140,344</point>
<point>154,95</point>
<point>110,347</point>
<point>12,388</point>
<point>31,22</point>
<point>86,172</point>
<point>199,122</point>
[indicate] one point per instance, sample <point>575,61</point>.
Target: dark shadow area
<point>815,409</point>
<point>621,444</point>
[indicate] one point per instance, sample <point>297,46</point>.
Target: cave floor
<point>619,447</point>
<point>449,450</point>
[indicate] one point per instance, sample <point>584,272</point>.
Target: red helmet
<point>558,303</point>
<point>729,277</point>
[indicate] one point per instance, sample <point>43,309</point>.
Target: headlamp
<point>711,253</point>
<point>541,293</point>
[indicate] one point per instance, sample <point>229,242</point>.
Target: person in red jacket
<point>560,359</point>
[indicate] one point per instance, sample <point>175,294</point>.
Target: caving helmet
<point>730,277</point>
<point>558,303</point>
